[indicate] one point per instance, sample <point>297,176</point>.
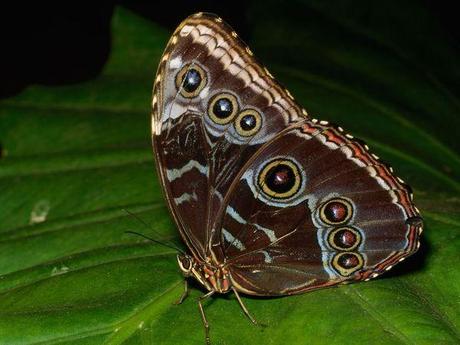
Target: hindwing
<point>314,208</point>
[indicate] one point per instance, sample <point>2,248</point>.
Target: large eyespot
<point>222,108</point>
<point>336,211</point>
<point>190,80</point>
<point>347,263</point>
<point>280,179</point>
<point>248,122</point>
<point>345,238</point>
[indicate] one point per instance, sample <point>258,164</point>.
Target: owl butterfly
<point>269,201</point>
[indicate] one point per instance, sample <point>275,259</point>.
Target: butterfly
<point>268,200</point>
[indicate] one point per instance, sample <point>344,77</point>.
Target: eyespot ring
<point>222,108</point>
<point>195,82</point>
<point>336,211</point>
<point>347,263</point>
<point>280,179</point>
<point>248,122</point>
<point>344,238</point>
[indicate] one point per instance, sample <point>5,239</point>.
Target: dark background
<point>63,43</point>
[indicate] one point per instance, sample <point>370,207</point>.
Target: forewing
<point>213,107</point>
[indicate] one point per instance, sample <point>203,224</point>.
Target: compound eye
<point>190,80</point>
<point>248,122</point>
<point>280,179</point>
<point>336,211</point>
<point>185,263</point>
<point>223,108</point>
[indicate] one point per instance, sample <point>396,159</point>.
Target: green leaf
<point>76,156</point>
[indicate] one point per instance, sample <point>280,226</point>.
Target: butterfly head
<point>210,276</point>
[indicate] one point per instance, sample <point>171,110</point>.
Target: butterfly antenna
<point>171,246</point>
<point>154,240</point>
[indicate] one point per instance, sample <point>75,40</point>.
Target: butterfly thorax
<point>212,277</point>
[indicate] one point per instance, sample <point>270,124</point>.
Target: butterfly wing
<point>213,107</point>
<point>314,208</point>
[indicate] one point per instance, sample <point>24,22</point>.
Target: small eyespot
<point>345,238</point>
<point>248,122</point>
<point>347,263</point>
<point>190,80</point>
<point>222,108</point>
<point>280,179</point>
<point>336,211</point>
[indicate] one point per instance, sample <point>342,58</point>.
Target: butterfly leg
<point>203,316</point>
<point>184,294</point>
<point>245,310</point>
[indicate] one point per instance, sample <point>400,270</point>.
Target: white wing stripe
<point>232,213</point>
<point>230,239</point>
<point>172,174</point>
